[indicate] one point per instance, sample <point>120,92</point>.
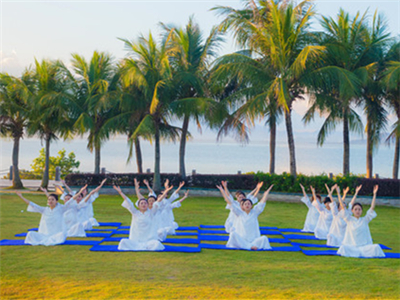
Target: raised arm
<point>226,197</point>
<point>66,186</point>
<point>164,194</point>
<point>80,192</point>
<point>304,191</point>
<point>118,189</point>
<point>355,195</point>
<point>224,184</point>
<point>330,191</point>
<point>138,194</point>
<point>257,189</point>
<point>376,187</point>
<point>184,196</point>
<point>265,196</point>
<point>179,187</point>
<point>339,198</point>
<point>44,190</point>
<point>148,187</point>
<point>95,190</point>
<point>345,191</point>
<point>23,198</point>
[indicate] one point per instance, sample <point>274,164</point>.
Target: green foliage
<point>66,163</point>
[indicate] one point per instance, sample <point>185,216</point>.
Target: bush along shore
<point>282,183</point>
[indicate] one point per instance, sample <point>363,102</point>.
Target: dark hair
<point>68,195</point>
<point>355,204</point>
<point>318,196</point>
<point>244,200</point>
<point>54,195</point>
<point>327,200</point>
<point>143,199</point>
<point>240,193</point>
<point>154,197</point>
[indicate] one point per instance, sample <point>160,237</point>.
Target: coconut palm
<point>16,96</point>
<point>391,80</point>
<point>277,32</point>
<point>96,99</point>
<point>148,69</point>
<point>50,117</point>
<point>190,59</point>
<point>351,52</point>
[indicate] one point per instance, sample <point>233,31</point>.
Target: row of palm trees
<point>350,63</point>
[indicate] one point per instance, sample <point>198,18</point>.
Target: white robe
<point>230,221</point>
<point>337,229</point>
<point>312,215</point>
<point>52,229</point>
<point>90,212</point>
<point>324,221</point>
<point>246,233</point>
<point>142,233</point>
<point>167,219</point>
<point>357,240</point>
<point>74,227</point>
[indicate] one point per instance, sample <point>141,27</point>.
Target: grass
<point>74,272</point>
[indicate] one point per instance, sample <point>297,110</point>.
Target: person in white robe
<point>231,220</point>
<point>52,229</point>
<point>142,234</point>
<point>338,227</point>
<point>325,216</point>
<point>312,214</point>
<point>247,231</point>
<point>167,219</point>
<point>357,240</point>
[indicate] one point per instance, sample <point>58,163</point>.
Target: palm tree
<point>277,32</point>
<point>391,80</point>
<point>351,53</point>
<point>16,95</point>
<point>190,58</point>
<point>96,99</point>
<point>50,114</point>
<point>149,70</point>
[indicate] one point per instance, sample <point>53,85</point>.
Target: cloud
<point>9,63</point>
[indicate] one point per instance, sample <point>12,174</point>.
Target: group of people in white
<point>153,219</point>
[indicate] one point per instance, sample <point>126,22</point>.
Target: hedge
<point>282,183</point>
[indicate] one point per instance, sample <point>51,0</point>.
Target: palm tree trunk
<point>369,150</point>
<point>157,176</point>
<point>346,145</point>
<point>138,152</point>
<point>272,146</point>
<point>96,159</point>
<point>45,179</point>
<point>182,147</point>
<point>16,180</point>
<point>289,131</point>
<point>396,158</point>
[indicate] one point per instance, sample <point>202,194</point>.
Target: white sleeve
<point>173,197</point>
<point>334,209</point>
<point>318,206</point>
<point>94,197</point>
<point>235,208</point>
<point>152,194</point>
<point>259,208</point>
<point>371,214</point>
<point>306,201</point>
<point>253,199</point>
<point>33,207</point>
<point>345,214</point>
<point>129,205</point>
<point>176,204</point>
<point>65,193</point>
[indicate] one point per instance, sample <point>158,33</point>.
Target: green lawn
<point>74,272</point>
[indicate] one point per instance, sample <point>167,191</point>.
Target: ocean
<point>206,156</point>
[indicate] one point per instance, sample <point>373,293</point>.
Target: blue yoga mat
<point>114,248</point>
<point>293,230</point>
<point>33,229</point>
<point>111,224</point>
<point>68,242</point>
<point>94,229</point>
<point>223,247</point>
<point>326,246</point>
<point>334,252</point>
<point>188,228</point>
<point>213,226</point>
<point>226,238</point>
<point>95,234</point>
<point>121,232</point>
<point>268,228</point>
<point>170,241</point>
<point>300,237</point>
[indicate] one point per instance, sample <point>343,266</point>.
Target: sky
<point>56,29</point>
